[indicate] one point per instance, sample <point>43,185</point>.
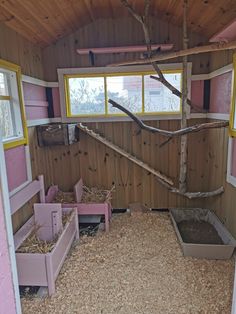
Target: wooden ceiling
<point>43,22</point>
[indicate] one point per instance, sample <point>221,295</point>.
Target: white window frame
<point>106,70</point>
<point>13,73</point>
<point>230,178</point>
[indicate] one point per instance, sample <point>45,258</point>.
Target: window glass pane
<point>3,84</point>
<point>158,98</point>
<point>6,123</point>
<point>125,90</point>
<point>87,95</point>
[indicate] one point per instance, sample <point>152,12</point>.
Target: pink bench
<point>39,269</point>
<point>83,208</point>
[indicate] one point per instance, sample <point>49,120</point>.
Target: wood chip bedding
<point>137,267</point>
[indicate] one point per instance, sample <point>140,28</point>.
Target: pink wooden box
<point>83,208</point>
<point>41,269</point>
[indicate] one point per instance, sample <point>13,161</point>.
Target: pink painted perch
<point>142,48</point>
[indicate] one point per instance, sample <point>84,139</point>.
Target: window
<point>158,98</point>
<point>233,102</point>
<point>12,118</point>
<point>231,162</point>
<point>126,90</point>
<point>87,95</point>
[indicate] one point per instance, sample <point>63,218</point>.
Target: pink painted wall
<point>7,298</point>
<point>221,93</point>
<point>233,172</point>
<point>56,102</point>
<point>36,105</point>
<point>16,167</point>
<point>197,91</point>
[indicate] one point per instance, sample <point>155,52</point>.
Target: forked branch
<point>143,20</point>
<point>170,134</point>
<point>193,195</point>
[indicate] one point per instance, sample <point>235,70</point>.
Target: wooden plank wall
<point>116,32</point>
<point>220,58</point>
<point>16,49</point>
<point>100,166</point>
<point>216,157</point>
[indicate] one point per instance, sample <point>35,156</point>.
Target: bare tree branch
<point>192,195</point>
<point>173,89</point>
<point>161,178</point>
<point>143,21</point>
<point>152,60</point>
<point>171,134</point>
<point>184,139</point>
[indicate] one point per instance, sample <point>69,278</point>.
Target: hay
<point>136,268</point>
<point>33,244</point>
<point>90,195</point>
<point>95,195</point>
<point>64,197</point>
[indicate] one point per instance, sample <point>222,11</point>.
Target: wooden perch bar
<point>122,152</point>
<point>190,129</point>
<point>181,53</point>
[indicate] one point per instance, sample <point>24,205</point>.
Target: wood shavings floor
<point>137,267</point>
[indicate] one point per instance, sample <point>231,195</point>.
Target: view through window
<point>137,92</point>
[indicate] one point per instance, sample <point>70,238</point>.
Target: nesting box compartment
<point>202,250</point>
<point>42,269</point>
<point>57,134</point>
<point>84,209</point>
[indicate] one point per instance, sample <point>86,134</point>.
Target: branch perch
<point>170,134</point>
<point>185,101</point>
<point>143,21</point>
<point>184,139</point>
<point>192,195</point>
<point>161,178</point>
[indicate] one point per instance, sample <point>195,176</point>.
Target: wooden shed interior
<point>44,37</point>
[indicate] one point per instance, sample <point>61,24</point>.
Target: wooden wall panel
<point>100,166</point>
<point>220,58</point>
<point>115,32</point>
<point>16,49</point>
<point>216,154</point>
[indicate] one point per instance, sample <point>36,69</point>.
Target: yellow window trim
<point>16,68</point>
<point>5,98</point>
<point>105,75</point>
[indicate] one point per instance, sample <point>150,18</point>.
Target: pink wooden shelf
<point>227,34</point>
<point>104,50</point>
